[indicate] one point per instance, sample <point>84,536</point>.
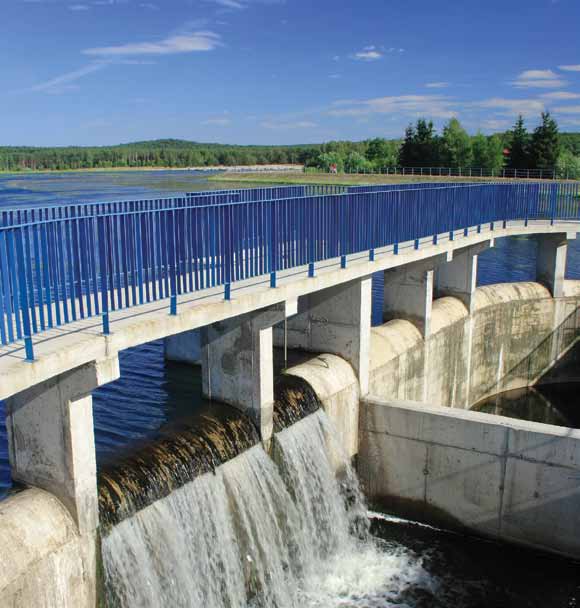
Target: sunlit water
<point>402,564</point>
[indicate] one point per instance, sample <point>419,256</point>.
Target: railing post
<point>228,257</point>
<point>24,304</point>
<point>553,202</point>
<point>273,245</point>
<point>103,272</point>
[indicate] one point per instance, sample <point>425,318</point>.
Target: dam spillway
<point>260,532</point>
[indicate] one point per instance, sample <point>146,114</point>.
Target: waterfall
<point>284,532</point>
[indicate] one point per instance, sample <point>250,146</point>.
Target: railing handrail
<point>58,220</point>
<point>61,269</point>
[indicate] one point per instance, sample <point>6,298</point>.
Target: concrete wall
<point>504,478</point>
<point>509,341</point>
<point>48,565</point>
<point>336,385</point>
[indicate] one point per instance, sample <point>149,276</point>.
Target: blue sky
<point>96,72</point>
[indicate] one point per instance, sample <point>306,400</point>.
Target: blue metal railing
<point>57,270</point>
<point>23,215</point>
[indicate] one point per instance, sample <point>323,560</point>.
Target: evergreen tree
<point>407,150</point>
<point>426,151</point>
<point>519,157</point>
<point>455,145</point>
<point>545,145</point>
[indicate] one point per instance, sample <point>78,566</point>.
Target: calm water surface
<point>472,573</point>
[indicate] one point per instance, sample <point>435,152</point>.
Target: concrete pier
<point>51,438</point>
<point>458,278</point>
<point>551,261</point>
<point>409,292</point>
<point>335,321</point>
<point>184,348</point>
<point>237,363</point>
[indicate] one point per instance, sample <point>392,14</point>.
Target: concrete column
<point>409,292</point>
<point>51,438</point>
<point>335,321</point>
<point>184,348</point>
<point>458,278</point>
<point>551,261</point>
<point>237,363</point>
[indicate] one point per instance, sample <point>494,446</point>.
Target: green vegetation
<point>421,146</point>
<point>161,153</point>
<point>343,179</point>
<point>544,150</point>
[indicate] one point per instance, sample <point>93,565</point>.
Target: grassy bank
<point>327,178</point>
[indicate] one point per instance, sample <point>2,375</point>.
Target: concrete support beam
<point>184,348</point>
<point>458,278</point>
<point>409,292</point>
<point>551,261</point>
<point>335,321</point>
<point>237,363</point>
<point>51,438</point>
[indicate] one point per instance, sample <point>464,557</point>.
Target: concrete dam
<point>312,416</point>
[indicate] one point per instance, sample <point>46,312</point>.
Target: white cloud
<point>78,7</point>
<point>301,124</point>
<point>560,95</point>
<point>229,3</point>
<point>436,85</point>
<point>369,53</point>
<point>242,4</point>
<point>432,106</point>
<point>538,79</point>
<point>568,109</point>
<point>218,121</point>
<point>513,107</point>
<point>570,68</point>
<point>178,43</point>
<point>64,82</point>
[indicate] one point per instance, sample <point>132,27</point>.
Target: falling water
<point>261,532</point>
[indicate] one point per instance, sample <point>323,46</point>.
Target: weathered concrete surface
<point>237,363</point>
<point>44,563</point>
<point>184,348</point>
<point>458,278</point>
<point>336,321</point>
<point>509,479</point>
<point>515,333</point>
<point>336,385</point>
<point>51,438</point>
<point>408,292</point>
<point>551,261</point>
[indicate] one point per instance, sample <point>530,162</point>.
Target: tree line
<point>422,146</point>
<point>159,153</point>
<point>544,149</point>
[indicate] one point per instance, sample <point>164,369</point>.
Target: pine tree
<point>407,149</point>
<point>545,145</point>
<point>519,157</point>
<point>425,144</point>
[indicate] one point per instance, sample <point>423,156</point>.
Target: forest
<point>421,146</point>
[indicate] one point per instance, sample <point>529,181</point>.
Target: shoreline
<point>237,169</point>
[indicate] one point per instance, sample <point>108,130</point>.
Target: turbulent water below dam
<point>292,530</point>
<point>197,514</point>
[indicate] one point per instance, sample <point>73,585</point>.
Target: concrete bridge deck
<point>61,349</point>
